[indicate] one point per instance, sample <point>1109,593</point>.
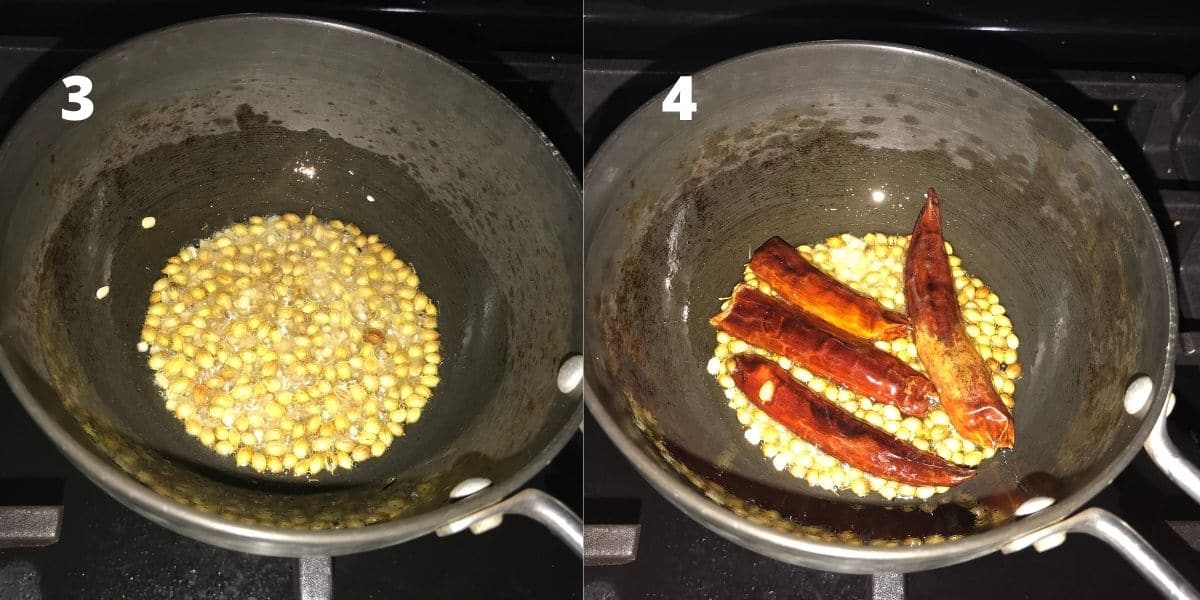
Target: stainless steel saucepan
<point>208,123</point>
<point>795,141</point>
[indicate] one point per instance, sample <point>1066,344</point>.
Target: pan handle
<point>1168,458</point>
<point>532,503</point>
<point>1115,532</point>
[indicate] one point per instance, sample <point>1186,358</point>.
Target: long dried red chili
<point>799,282</point>
<point>787,330</point>
<point>837,432</point>
<point>948,353</point>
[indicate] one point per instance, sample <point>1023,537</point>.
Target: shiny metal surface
<point>532,503</point>
<point>1168,458</point>
<point>25,526</point>
<point>570,374</point>
<point>1115,532</point>
<point>794,141</point>
<point>468,487</point>
<point>203,124</point>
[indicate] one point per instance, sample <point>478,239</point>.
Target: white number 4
<point>80,98</point>
<point>679,99</point>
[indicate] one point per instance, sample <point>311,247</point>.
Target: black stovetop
<point>1125,76</point>
<point>530,52</point>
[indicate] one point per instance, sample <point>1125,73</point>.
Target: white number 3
<point>679,99</point>
<point>80,98</point>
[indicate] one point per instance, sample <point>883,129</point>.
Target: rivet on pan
<point>1050,542</point>
<point>570,374</point>
<point>1033,505</point>
<point>487,524</point>
<point>469,486</point>
<point>1137,395</point>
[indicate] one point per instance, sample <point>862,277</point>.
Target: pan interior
<point>229,119</point>
<point>795,143</point>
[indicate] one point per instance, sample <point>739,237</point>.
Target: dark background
<point>1027,40</point>
<point>531,52</point>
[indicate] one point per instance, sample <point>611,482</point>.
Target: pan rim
<point>868,559</point>
<point>260,539</point>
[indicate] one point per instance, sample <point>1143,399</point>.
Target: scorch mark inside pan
<point>874,265</point>
<point>292,344</point>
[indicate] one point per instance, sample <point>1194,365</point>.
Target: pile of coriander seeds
<point>292,344</point>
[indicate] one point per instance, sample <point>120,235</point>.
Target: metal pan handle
<point>1168,458</point>
<point>1117,533</point>
<point>532,503</point>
